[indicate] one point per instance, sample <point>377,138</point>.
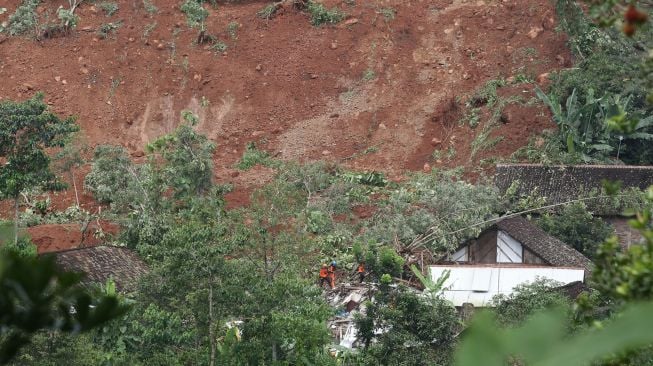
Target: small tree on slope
<point>27,129</point>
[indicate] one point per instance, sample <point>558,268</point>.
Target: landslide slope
<point>380,90</point>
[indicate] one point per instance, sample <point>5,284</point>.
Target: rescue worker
<point>332,274</point>
<point>361,271</point>
<point>324,275</point>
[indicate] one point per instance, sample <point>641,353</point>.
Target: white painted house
<point>509,253</point>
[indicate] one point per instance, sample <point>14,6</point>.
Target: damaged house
<point>564,183</point>
<point>101,263</point>
<point>511,252</point>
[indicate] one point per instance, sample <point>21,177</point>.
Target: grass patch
<point>387,13</point>
<point>149,7</point>
<point>232,30</point>
<point>369,75</point>
<point>148,29</point>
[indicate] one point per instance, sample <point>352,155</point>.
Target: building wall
<point>484,249</point>
<point>626,234</point>
<point>532,258</point>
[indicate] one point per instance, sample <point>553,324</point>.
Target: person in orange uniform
<point>361,271</point>
<point>324,275</point>
<point>332,274</point>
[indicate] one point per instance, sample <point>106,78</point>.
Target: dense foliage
<point>576,226</point>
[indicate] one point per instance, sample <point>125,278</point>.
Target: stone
<point>334,115</point>
<point>83,70</point>
<point>382,126</point>
<point>258,133</point>
<point>64,82</point>
<point>138,154</point>
<point>57,78</point>
<point>326,152</point>
<point>28,86</point>
<point>350,21</point>
<point>542,78</point>
<point>234,174</point>
<point>334,45</point>
<point>426,168</point>
<point>314,76</point>
<point>534,32</point>
<point>561,60</point>
<point>160,46</point>
<point>259,67</point>
<point>436,141</point>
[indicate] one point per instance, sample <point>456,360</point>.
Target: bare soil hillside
<point>380,90</point>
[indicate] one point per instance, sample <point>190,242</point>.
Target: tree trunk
<point>72,176</point>
<point>16,220</point>
<point>211,327</point>
<point>274,352</point>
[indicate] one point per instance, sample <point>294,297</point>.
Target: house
<point>563,183</point>
<point>101,263</point>
<point>511,252</point>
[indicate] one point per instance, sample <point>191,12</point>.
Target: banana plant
<point>588,129</point>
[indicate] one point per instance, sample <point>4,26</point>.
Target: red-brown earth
<point>372,92</point>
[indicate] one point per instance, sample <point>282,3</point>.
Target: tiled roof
<point>561,183</point>
<point>100,263</point>
<point>552,250</point>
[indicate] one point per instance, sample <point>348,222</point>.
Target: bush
<point>526,300</point>
<point>321,15</point>
<point>576,226</point>
<point>390,262</point>
<point>109,8</point>
<point>253,156</point>
<point>24,19</point>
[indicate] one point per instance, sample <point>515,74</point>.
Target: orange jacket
<point>361,268</point>
<point>323,272</point>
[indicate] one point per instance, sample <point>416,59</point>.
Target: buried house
<point>101,263</point>
<point>511,252</point>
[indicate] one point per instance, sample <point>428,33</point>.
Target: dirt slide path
<point>381,90</point>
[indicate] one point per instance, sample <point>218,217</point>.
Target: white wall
<point>477,284</point>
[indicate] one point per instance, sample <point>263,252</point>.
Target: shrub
<point>321,15</point>
<point>526,300</point>
<point>390,262</point>
<point>24,19</point>
<point>195,13</point>
<point>267,12</point>
<point>107,29</point>
<point>253,156</point>
<point>109,8</point>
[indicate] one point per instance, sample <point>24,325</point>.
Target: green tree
<point>416,330</point>
<point>35,295</point>
<point>577,227</point>
<point>27,129</point>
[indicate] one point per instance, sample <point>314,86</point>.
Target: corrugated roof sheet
<point>100,263</point>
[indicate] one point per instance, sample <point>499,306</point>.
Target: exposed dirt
<point>371,92</point>
<point>52,238</point>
